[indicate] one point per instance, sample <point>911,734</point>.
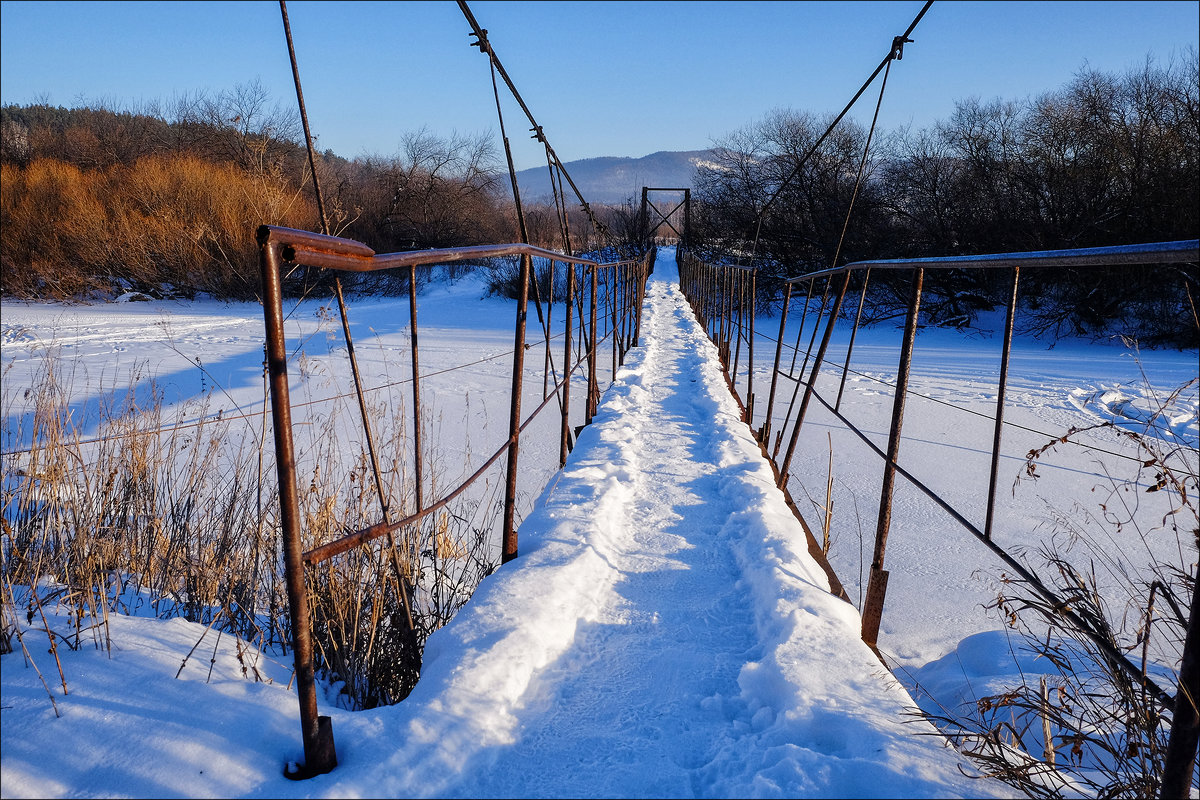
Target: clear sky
<point>603,78</point>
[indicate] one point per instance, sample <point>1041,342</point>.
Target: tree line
<point>165,198</point>
<point>1105,160</point>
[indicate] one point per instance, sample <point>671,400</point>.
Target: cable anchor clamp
<point>481,41</point>
<point>898,46</point>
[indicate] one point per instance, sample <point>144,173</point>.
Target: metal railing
<point>722,297</point>
<point>597,296</point>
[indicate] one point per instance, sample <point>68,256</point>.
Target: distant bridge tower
<point>669,218</point>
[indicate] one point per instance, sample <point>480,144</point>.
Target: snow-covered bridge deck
<point>664,632</point>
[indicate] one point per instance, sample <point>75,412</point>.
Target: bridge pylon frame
<point>647,205</point>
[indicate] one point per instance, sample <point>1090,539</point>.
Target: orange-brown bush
<point>165,221</point>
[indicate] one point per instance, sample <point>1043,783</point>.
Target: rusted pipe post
<point>820,315</point>
<point>317,732</point>
<point>837,406</point>
<point>724,295</point>
<point>509,550</point>
<point>613,286</point>
<point>1001,391</point>
<point>739,279</point>
<point>626,310</point>
<point>593,395</point>
<point>872,611</point>
<point>800,332</point>
<point>641,271</point>
<point>765,432</point>
<point>1179,763</point>
<point>566,398</point>
<point>811,386</point>
<point>418,452</point>
<point>750,350</point>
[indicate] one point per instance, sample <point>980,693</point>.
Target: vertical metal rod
<point>1001,391</point>
<point>704,290</point>
<point>726,298</point>
<point>706,298</point>
<point>643,273</point>
<point>738,280</point>
<point>627,286</point>
<point>566,398</point>
<point>1179,762</point>
<point>613,283</point>
<point>593,388</point>
<point>319,756</point>
<point>509,550</point>
<point>545,327</point>
<point>765,433</point>
<point>418,451</point>
<point>820,314</point>
<point>837,406</point>
<point>687,218</point>
<point>872,611</point>
<point>750,354</point>
<point>812,379</point>
<point>800,332</point>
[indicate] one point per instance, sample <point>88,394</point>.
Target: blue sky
<point>603,78</point>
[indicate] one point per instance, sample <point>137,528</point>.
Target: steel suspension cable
<point>895,53</point>
<point>405,587</point>
<point>485,46</point>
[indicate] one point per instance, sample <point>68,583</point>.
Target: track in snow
<point>663,632</point>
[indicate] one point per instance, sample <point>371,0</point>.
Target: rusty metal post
<point>593,395</point>
<point>317,732</point>
<point>739,281</point>
<point>750,350</point>
<point>613,285</point>
<point>872,611</point>
<point>1179,763</point>
<point>811,386</point>
<point>853,333</point>
<point>1000,393</point>
<point>644,216</point>
<point>626,305</point>
<point>800,332</point>
<point>726,298</point>
<point>566,398</point>
<point>765,432</point>
<point>687,219</point>
<point>418,452</point>
<point>509,550</point>
<point>820,315</point>
<point>643,272</point>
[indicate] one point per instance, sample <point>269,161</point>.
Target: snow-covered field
<point>664,632</point>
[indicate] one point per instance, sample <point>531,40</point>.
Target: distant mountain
<point>611,179</point>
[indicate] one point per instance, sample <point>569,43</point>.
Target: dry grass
<point>1091,725</point>
<point>145,517</point>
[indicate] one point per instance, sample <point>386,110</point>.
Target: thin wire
<point>912,393</point>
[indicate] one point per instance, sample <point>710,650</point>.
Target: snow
<point>664,631</point>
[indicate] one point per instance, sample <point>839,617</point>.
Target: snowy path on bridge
<point>663,633</point>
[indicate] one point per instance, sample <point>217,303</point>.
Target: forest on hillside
<point>165,198</point>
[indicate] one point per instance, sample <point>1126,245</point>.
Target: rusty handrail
<point>335,252</point>
<point>1184,251</point>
